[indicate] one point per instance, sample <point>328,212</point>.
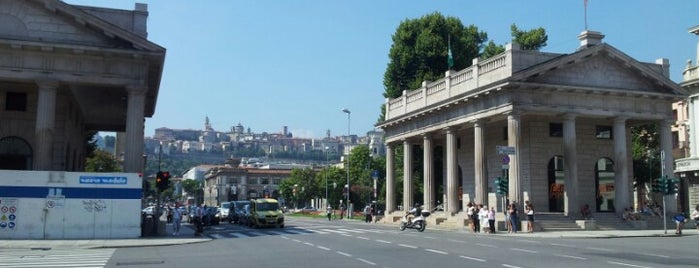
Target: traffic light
<point>162,180</point>
<point>673,186</point>
<point>501,185</point>
<point>159,181</point>
<point>657,185</point>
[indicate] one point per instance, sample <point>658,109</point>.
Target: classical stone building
<point>562,122</point>
<point>687,168</point>
<point>66,70</point>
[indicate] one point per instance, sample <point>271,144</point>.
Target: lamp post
<point>327,162</point>
<point>347,111</point>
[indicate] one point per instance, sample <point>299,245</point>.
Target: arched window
<point>15,154</point>
<point>604,183</point>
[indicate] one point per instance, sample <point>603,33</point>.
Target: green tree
<point>491,49</point>
<point>333,178</point>
<point>190,186</point>
<point>533,39</point>
<point>419,51</point>
<point>101,161</point>
<point>645,154</point>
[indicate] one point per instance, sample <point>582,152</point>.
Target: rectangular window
<point>15,101</point>
<point>675,139</point>
<point>555,129</point>
<point>504,133</point>
<point>265,181</point>
<point>604,132</point>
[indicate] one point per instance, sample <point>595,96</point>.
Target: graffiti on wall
<point>94,205</point>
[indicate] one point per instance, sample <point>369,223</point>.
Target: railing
<point>690,73</point>
<point>453,84</point>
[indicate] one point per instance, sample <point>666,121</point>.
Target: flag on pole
<point>450,58</point>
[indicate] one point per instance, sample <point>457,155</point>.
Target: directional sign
<point>375,174</point>
<point>505,159</point>
<point>505,149</point>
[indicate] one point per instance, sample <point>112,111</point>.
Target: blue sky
<point>267,64</point>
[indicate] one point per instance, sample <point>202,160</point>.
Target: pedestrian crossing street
<point>66,258</point>
<point>292,231</point>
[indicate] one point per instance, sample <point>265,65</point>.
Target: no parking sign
<point>8,213</point>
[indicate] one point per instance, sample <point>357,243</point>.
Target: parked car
<point>243,215</point>
<point>149,210</point>
<point>237,210</point>
<point>225,211</point>
<point>309,210</point>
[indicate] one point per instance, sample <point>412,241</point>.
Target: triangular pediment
<point>603,68</point>
<point>52,21</point>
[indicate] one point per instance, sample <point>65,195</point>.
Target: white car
<point>149,210</point>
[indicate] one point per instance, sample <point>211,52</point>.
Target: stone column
<point>513,137</point>
<point>428,177</point>
<point>390,180</point>
<point>570,166</point>
<point>45,123</point>
<point>622,194</point>
<point>134,127</point>
<point>693,112</point>
<point>452,205</point>
<point>479,163</point>
<point>407,175</point>
<point>666,148</point>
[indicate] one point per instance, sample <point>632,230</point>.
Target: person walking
<point>329,212</point>
<point>177,221</point>
<point>695,217</point>
<point>367,214</point>
<point>491,220</point>
<point>342,209</point>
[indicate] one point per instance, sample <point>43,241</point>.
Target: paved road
<point>318,243</point>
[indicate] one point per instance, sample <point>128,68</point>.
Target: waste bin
<point>147,225</point>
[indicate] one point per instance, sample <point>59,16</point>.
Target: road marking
<point>529,241</point>
<point>457,241</point>
<point>429,237</point>
<point>239,235</point>
<point>472,258</point>
<point>361,237</point>
<point>600,249</point>
<point>511,266</point>
<point>318,232</point>
<point>562,245</point>
<point>347,235</point>
<point>524,250</point>
<point>285,237</point>
<point>216,236</point>
<point>256,233</point>
<point>306,243</point>
<point>657,255</point>
<point>407,246</point>
<point>384,241</point>
<point>436,251</point>
<point>344,254</point>
<point>486,245</point>
<point>569,256</point>
<point>627,264</point>
<point>276,233</point>
<point>351,231</point>
<point>333,231</point>
<point>365,261</point>
<point>291,232</point>
<point>296,240</point>
<point>322,247</point>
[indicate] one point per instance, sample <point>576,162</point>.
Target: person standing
<point>483,216</point>
<point>491,220</point>
<point>529,209</point>
<point>329,212</point>
<point>177,221</point>
<point>695,217</point>
<point>342,209</point>
<point>513,217</point>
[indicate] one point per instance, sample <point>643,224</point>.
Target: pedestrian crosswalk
<point>66,258</point>
<point>292,231</point>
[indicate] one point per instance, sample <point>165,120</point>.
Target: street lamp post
<point>347,111</point>
<point>327,162</point>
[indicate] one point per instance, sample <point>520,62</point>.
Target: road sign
<point>505,159</point>
<point>375,174</point>
<point>505,149</point>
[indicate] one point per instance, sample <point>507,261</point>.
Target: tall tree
<point>101,161</point>
<point>533,39</point>
<point>419,51</point>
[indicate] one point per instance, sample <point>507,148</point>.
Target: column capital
<point>426,136</point>
<point>47,83</point>
<point>136,89</point>
<point>479,121</point>
<point>620,119</point>
<point>570,116</point>
<point>513,113</point>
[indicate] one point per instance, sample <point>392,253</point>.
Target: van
<point>265,212</point>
